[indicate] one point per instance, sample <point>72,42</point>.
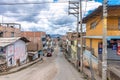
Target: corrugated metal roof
<point>6,41</point>
<point>98,12</point>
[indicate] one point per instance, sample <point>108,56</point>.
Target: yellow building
<point>72,46</point>
<point>94,32</point>
<point>74,51</point>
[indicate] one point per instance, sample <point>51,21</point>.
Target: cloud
<point>48,16</point>
<point>63,20</point>
<point>28,12</point>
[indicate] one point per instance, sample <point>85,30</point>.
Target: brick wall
<point>35,38</point>
<point>7,31</point>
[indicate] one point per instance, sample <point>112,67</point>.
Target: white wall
<point>10,55</point>
<point>16,51</point>
<point>20,51</point>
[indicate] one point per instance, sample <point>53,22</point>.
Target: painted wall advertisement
<point>16,52</point>
<point>10,55</point>
<point>20,51</point>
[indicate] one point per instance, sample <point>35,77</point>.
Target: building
<point>43,38</point>
<point>68,41</point>
<point>13,51</point>
<point>10,30</point>
<point>73,47</point>
<point>94,32</point>
<point>35,38</point>
<point>35,44</point>
<point>63,43</point>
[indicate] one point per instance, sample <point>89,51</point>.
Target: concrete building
<point>72,52</point>
<point>10,30</point>
<point>94,32</point>
<point>13,51</point>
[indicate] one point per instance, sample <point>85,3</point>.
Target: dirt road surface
<point>53,68</point>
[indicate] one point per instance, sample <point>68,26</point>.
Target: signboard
<point>114,47</point>
<point>99,48</point>
<point>118,49</point>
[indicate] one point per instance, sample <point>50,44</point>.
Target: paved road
<point>53,68</point>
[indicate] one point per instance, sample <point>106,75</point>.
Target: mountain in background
<point>55,35</point>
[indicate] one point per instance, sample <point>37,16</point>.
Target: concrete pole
<point>104,54</point>
<point>81,54</point>
<point>76,14</point>
<point>77,39</point>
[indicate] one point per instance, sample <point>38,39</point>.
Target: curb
<point>21,67</point>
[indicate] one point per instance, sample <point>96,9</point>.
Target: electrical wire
<point>28,3</point>
<point>85,8</point>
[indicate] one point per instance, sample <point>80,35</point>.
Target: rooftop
<point>7,41</point>
<point>99,11</point>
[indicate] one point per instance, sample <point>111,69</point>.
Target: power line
<point>85,8</point>
<point>28,3</point>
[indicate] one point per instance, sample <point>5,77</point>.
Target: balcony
<point>113,27</point>
<point>113,30</point>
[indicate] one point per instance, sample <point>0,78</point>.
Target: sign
<point>100,48</point>
<point>10,55</point>
<point>114,47</point>
<point>118,50</point>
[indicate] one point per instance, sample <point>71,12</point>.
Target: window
<point>2,50</point>
<point>12,34</point>
<point>1,34</point>
<point>72,42</point>
<point>93,25</point>
<point>79,35</point>
<point>43,39</point>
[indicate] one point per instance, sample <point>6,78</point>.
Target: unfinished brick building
<point>10,30</point>
<point>35,43</point>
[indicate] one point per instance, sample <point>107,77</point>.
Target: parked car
<point>49,54</point>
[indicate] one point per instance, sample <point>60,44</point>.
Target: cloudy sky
<point>50,16</point>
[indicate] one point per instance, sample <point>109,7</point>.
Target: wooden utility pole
<point>81,37</point>
<point>104,54</point>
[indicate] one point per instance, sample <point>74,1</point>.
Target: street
<point>53,68</point>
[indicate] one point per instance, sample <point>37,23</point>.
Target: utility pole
<point>81,37</point>
<point>104,54</point>
<point>74,10</point>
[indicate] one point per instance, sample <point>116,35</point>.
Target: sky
<point>50,16</point>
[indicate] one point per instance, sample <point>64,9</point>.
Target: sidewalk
<point>86,72</point>
<point>19,68</point>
